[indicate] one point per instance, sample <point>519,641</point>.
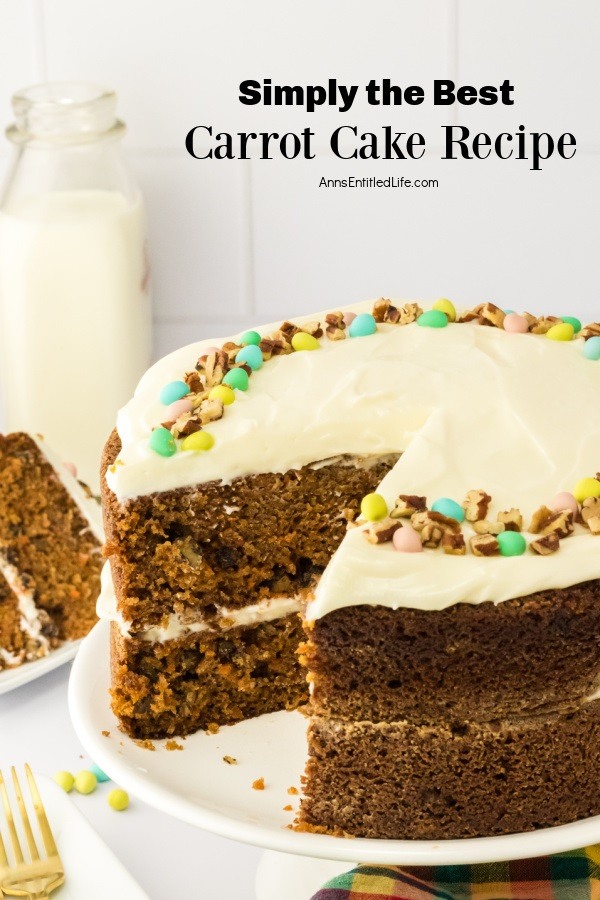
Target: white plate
<point>92,871</point>
<point>28,671</point>
<point>197,786</point>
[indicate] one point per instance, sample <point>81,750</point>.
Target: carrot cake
<point>398,507</point>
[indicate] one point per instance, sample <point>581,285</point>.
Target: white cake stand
<point>197,786</point>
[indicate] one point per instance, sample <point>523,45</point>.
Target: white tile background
<point>234,243</point>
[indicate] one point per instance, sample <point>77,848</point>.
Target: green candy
<point>373,507</point>
<point>433,318</point>
<point>100,775</point>
<point>571,320</point>
<point>237,378</point>
<point>511,543</point>
<point>250,337</point>
<point>163,442</point>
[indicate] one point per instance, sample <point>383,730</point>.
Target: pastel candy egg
<point>64,780</point>
<point>118,799</point>
<point>449,508</point>
<point>101,776</point>
<point>571,320</point>
<point>177,409</point>
<point>173,391</point>
<point>433,318</point>
<point>561,332</point>
<point>251,355</point>
<point>564,500</point>
<point>199,440</point>
<point>303,341</point>
<point>223,393</point>
<point>373,507</point>
<point>446,306</point>
<point>591,348</point>
<point>515,324</point>
<point>250,337</point>
<point>585,488</point>
<point>163,442</point>
<point>237,378</point>
<point>71,467</point>
<point>407,540</point>
<point>511,543</point>
<point>85,782</point>
<point>349,318</point>
<point>362,325</point>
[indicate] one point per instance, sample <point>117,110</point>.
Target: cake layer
<point>49,541</point>
<point>401,781</point>
<point>176,687</point>
<point>228,545</point>
<point>465,662</point>
<point>20,640</point>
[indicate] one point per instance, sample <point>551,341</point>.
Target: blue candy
<point>97,771</point>
<point>251,355</point>
<point>591,348</point>
<point>449,508</point>
<point>362,325</point>
<point>173,391</point>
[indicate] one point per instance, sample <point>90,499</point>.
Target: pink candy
<point>407,540</point>
<point>516,324</point>
<point>177,409</point>
<point>565,500</point>
<point>71,467</point>
<point>348,318</point>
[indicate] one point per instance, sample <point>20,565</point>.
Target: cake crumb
<point>292,790</point>
<point>288,808</point>
<point>212,728</point>
<point>145,745</point>
<point>173,745</point>
<point>230,760</point>
<point>259,784</point>
<point>106,733</point>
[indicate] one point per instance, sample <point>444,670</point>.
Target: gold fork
<point>36,879</point>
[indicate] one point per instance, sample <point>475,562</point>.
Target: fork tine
<point>3,856</point>
<point>10,822</point>
<point>25,817</point>
<point>45,829</point>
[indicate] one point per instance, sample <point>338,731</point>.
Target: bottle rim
<point>63,112</point>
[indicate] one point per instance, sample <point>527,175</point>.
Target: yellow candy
<point>564,331</point>
<point>586,487</point>
<point>118,799</point>
<point>64,780</point>
<point>373,507</point>
<point>446,306</point>
<point>223,393</point>
<point>199,440</point>
<point>85,782</point>
<point>303,341</point>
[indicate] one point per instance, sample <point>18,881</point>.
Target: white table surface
<point>168,858</point>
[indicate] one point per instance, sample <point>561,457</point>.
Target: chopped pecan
<point>561,523</point>
<point>540,517</point>
<point>282,342</point>
<point>591,330</point>
<point>410,312</point>
<point>471,316</point>
<point>590,508</point>
<point>383,531</point>
<point>431,520</point>
<point>511,519</point>
<point>210,410</point>
<point>419,520</point>
<point>335,333</point>
<point>336,319</point>
<point>491,314</point>
<point>531,319</point>
<point>266,346</point>
<point>348,514</point>
<point>447,522</point>
<point>313,328</point>
<point>546,545</point>
<point>544,324</point>
<point>288,329</point>
<point>380,308</point>
<point>476,505</point>
<point>231,349</point>
<point>186,424</point>
<point>194,382</point>
<point>408,504</point>
<point>593,523</point>
<point>484,545</point>
<point>217,364</point>
<point>454,543</point>
<point>485,527</point>
<point>432,534</point>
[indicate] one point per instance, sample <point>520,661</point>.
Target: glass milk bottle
<point>74,305</point>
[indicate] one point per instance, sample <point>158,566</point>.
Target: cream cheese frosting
<point>470,407</point>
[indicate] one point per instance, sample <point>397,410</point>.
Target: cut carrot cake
<point>418,492</point>
<point>50,552</point>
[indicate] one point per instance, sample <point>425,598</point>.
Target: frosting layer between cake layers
<point>471,407</point>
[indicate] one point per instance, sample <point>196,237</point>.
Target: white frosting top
<point>473,407</point>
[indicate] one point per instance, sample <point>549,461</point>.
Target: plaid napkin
<point>565,876</point>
